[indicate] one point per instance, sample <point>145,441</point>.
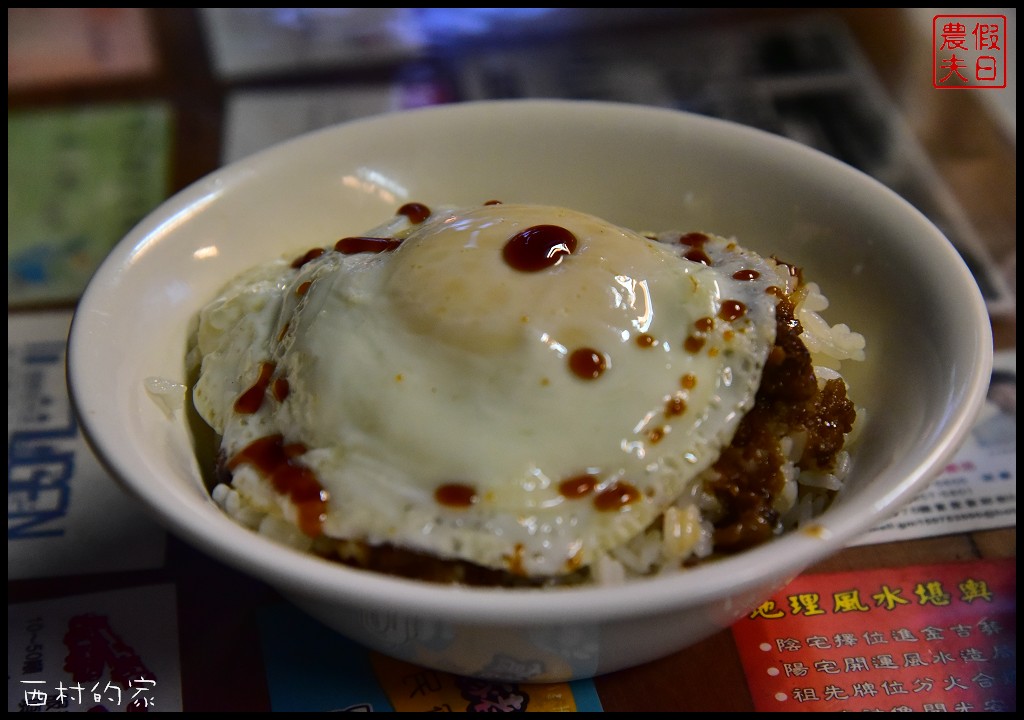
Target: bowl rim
<point>310,576</point>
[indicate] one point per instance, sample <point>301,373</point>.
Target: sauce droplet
<point>455,495</point>
<point>732,310</point>
<point>312,254</point>
<point>577,486</point>
<point>356,245</point>
<point>281,388</point>
<point>676,405</point>
<point>538,248</point>
<point>694,343</point>
<point>645,340</point>
<point>416,212</point>
<point>587,363</point>
<point>303,288</point>
<point>252,399</point>
<point>746,275</point>
<point>694,239</point>
<point>273,458</point>
<point>698,256</point>
<point>616,496</point>
<point>688,381</point>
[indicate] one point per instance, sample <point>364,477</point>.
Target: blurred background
<point>110,110</point>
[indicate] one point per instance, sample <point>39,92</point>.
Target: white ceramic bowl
<point>887,271</point>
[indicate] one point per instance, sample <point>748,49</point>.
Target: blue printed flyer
<point>65,514</point>
<point>312,669</point>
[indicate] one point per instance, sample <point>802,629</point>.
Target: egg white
<point>440,364</point>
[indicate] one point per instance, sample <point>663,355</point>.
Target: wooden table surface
<point>974,157</point>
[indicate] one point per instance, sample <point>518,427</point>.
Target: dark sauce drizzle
<point>732,310</point>
<point>356,245</point>
<point>616,496</point>
<point>577,486</point>
<point>281,389</point>
<point>694,239</point>
<point>455,495</point>
<point>538,248</point>
<point>276,460</point>
<point>416,212</point>
<point>693,343</point>
<point>587,363</point>
<point>251,400</point>
<point>310,255</point>
<point>676,405</point>
<point>698,256</point>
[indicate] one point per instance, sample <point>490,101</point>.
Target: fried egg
<point>522,387</point>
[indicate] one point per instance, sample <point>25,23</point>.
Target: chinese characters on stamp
<point>969,51</point>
